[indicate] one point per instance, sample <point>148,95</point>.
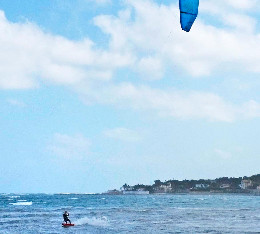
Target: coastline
<point>248,193</point>
<point>223,185</point>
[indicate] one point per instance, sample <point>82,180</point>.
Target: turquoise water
<point>42,213</point>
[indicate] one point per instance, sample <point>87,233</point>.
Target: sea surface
<point>42,213</point>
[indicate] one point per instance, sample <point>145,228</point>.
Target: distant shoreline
<point>183,194</point>
<point>223,185</point>
<point>151,194</point>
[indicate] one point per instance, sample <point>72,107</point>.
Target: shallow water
<point>42,213</point>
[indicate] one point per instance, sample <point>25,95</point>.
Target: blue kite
<point>188,13</point>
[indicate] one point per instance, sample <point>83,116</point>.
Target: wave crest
<point>101,222</point>
<point>21,203</point>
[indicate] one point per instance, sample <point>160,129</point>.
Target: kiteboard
<point>68,224</point>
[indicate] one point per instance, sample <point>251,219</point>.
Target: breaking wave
<point>101,222</point>
<point>13,196</point>
<point>21,203</point>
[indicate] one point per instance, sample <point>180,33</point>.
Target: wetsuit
<point>66,217</point>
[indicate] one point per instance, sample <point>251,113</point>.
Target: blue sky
<point>95,94</point>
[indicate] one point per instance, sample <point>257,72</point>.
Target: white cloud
<point>27,54</point>
<point>154,29</point>
<point>150,68</point>
<point>70,147</point>
<point>172,103</point>
<point>227,12</point>
<point>15,102</point>
<point>122,134</point>
<point>237,4</point>
<point>144,37</point>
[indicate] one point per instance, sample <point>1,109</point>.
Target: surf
<point>100,222</point>
<point>22,203</point>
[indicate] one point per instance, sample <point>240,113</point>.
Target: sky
<point>98,93</point>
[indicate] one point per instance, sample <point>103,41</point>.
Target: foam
<point>13,196</point>
<point>21,204</point>
<point>101,222</point>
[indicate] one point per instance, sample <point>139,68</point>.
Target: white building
<point>138,192</point>
<point>201,185</point>
<point>164,188</point>
<point>246,184</point>
<point>225,186</point>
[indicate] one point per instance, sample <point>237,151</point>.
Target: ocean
<point>42,213</point>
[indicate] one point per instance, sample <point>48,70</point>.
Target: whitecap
<point>13,196</point>
<point>73,198</point>
<point>21,203</point>
<point>101,222</point>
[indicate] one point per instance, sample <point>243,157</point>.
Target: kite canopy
<point>189,12</point>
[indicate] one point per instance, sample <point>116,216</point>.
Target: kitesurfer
<point>66,217</point>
